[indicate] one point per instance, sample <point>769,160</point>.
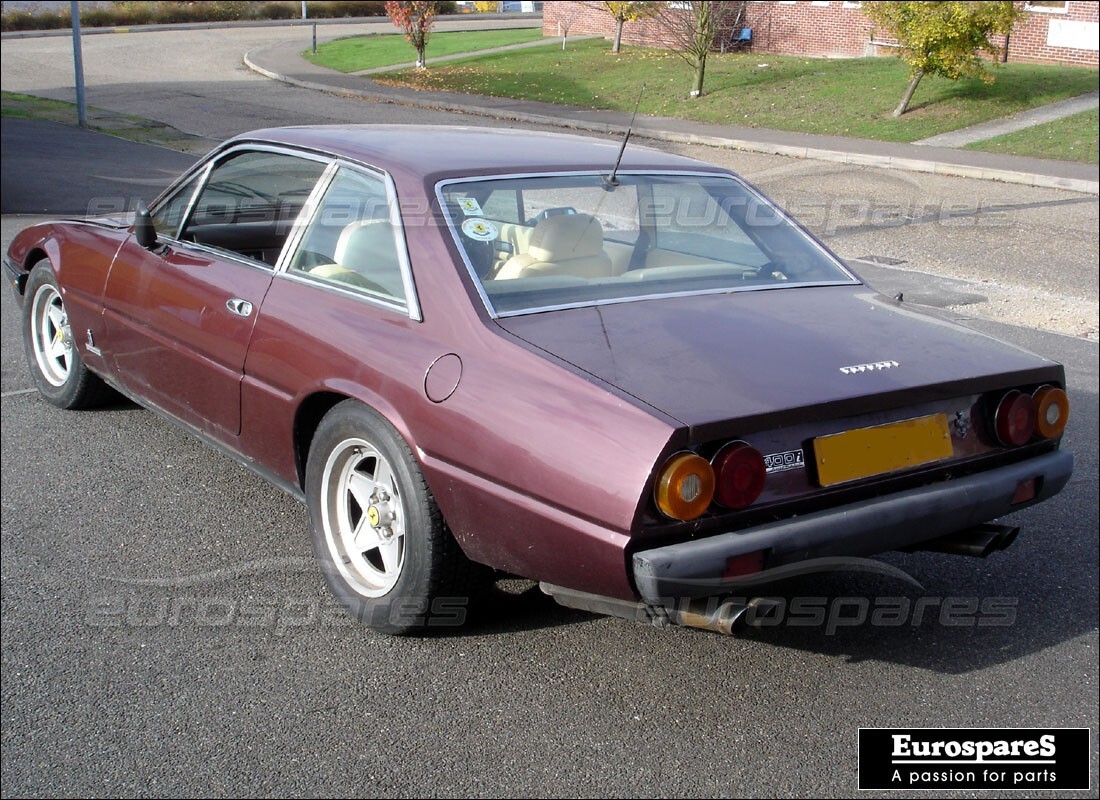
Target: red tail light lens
<point>1014,419</point>
<point>739,474</point>
<point>1051,411</point>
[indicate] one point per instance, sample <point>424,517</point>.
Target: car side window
<point>170,213</point>
<point>250,202</point>
<point>350,241</point>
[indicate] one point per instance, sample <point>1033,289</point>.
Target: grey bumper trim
<point>890,522</point>
<point>15,277</point>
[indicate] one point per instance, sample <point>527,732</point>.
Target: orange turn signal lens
<point>1051,411</point>
<point>685,486</point>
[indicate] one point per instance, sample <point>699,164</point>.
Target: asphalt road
<point>48,168</point>
<point>165,631</point>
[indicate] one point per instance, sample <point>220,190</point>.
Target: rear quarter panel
<point>538,469</point>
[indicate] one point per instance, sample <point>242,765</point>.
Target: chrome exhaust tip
<point>711,614</point>
<point>977,542</point>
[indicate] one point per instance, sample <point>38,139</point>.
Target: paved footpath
<point>1052,112</point>
<point>282,61</point>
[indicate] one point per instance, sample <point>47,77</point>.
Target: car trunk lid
<point>764,358</point>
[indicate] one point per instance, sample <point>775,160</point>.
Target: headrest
<point>566,236</point>
<point>367,244</point>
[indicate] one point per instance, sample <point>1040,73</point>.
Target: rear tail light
<point>1051,411</point>
<point>685,486</point>
<point>1014,420</point>
<point>739,474</point>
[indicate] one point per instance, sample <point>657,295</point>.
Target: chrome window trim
<point>607,301</point>
<point>203,170</point>
<point>203,175</point>
<point>205,164</point>
<point>494,314</point>
<point>346,290</point>
<point>412,300</point>
<point>411,304</point>
<point>230,255</point>
<point>305,216</point>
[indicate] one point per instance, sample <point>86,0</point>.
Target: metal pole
<point>304,15</point>
<point>78,67</point>
<point>315,38</point>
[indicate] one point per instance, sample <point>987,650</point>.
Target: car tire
<point>59,372</point>
<point>377,533</point>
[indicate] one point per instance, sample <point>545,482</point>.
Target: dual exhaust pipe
<point>977,542</point>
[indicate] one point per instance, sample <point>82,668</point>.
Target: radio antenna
<point>610,180</point>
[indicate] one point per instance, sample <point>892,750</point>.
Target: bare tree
<point>565,22</point>
<point>694,28</point>
<point>622,13</point>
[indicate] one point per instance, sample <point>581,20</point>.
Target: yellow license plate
<point>861,453</point>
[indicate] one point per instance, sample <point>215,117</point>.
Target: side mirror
<point>144,232</point>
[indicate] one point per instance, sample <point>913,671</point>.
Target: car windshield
<point>535,243</point>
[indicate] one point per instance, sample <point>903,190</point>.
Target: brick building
<point>1049,32</point>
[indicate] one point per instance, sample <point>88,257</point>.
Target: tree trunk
<point>700,69</point>
<point>903,106</point>
<point>618,36</point>
<point>420,57</point>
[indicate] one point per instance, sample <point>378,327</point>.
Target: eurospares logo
<point>1025,759</point>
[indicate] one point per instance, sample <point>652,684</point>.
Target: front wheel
<point>377,533</point>
<point>55,363</point>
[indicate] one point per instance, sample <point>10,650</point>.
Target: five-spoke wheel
<point>377,532</point>
<point>51,337</point>
<point>363,516</point>
<point>58,370</point>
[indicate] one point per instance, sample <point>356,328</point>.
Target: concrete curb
<point>795,151</point>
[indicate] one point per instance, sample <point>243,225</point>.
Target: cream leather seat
<point>567,244</point>
<point>366,256</point>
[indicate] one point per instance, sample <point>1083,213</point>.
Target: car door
<point>179,317</point>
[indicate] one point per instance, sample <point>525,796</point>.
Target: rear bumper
<point>890,522</point>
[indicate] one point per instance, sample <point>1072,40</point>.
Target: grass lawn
<point>24,106</point>
<point>1073,138</point>
<point>367,52</point>
<point>844,97</point>
<point>125,126</point>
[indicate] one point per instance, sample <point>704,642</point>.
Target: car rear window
<point>535,243</point>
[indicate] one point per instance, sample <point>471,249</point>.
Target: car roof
<point>449,151</point>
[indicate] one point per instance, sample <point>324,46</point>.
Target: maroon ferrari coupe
<point>639,383</point>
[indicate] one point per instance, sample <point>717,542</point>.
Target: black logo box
<point>957,766</point>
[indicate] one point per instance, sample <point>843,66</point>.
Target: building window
<point>1047,6</point>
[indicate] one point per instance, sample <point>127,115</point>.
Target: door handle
<point>242,308</point>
